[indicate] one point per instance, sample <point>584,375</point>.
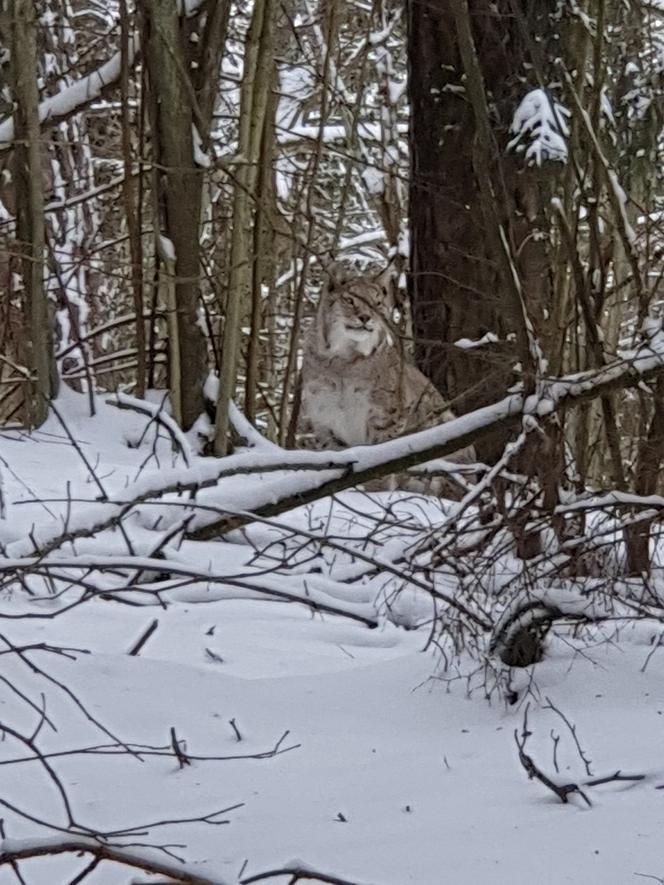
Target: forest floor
<point>389,773</point>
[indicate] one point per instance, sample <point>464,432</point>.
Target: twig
<point>89,868</point>
<point>178,752</point>
<point>618,776</point>
<point>141,750</point>
<point>105,852</point>
<point>138,645</point>
<point>233,725</point>
<point>159,416</point>
<point>298,873</point>
<point>572,729</point>
<point>561,791</point>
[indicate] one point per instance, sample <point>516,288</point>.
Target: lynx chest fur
<point>357,386</point>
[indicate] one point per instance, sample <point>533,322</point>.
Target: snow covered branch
<point>366,463</point>
<point>74,97</point>
<point>77,95</point>
<point>540,128</point>
<point>298,872</point>
<point>14,850</point>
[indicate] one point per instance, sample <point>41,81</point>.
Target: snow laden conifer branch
<point>540,128</point>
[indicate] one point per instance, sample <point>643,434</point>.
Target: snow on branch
<point>14,850</point>
<point>540,128</point>
<point>267,481</point>
<point>75,96</point>
<point>158,415</point>
<point>365,463</point>
<point>247,584</point>
<point>298,871</point>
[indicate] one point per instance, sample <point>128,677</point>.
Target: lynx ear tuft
<point>385,277</point>
<point>337,276</point>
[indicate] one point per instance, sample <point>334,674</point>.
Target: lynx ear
<point>336,276</point>
<point>386,278</point>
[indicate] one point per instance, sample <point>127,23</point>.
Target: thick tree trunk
<point>30,231</point>
<point>458,287</point>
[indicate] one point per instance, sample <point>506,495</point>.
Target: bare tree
<point>30,234</point>
<point>256,86</point>
<point>180,134</point>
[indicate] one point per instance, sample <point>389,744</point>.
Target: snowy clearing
<point>380,769</point>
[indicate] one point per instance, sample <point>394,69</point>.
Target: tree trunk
<point>646,476</point>
<point>132,205</point>
<point>256,84</point>
<point>459,285</point>
<point>180,191</point>
<point>30,230</point>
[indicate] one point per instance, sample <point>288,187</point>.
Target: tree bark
<point>180,191</point>
<point>30,227</point>
<point>646,476</point>
<point>132,205</point>
<point>459,285</point>
<point>256,84</point>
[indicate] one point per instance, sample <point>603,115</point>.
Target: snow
<point>166,247</point>
<point>392,770</point>
<point>75,95</point>
<point>469,344</point>
<point>540,129</point>
<point>621,198</point>
<point>201,158</point>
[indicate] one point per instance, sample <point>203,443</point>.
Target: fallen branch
<point>145,750</point>
<point>308,473</point>
<point>298,872</point>
<point>316,599</point>
<point>159,416</point>
<point>562,791</point>
<point>15,850</point>
<point>374,462</point>
<point>143,638</point>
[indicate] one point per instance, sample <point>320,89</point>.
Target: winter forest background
<point>226,658</point>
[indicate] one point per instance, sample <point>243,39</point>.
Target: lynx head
<point>354,317</point>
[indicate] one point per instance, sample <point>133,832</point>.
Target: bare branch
<point>298,873</point>
<point>50,847</point>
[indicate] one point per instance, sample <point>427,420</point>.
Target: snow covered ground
<point>389,773</point>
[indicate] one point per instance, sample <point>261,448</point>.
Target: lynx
<point>358,387</point>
